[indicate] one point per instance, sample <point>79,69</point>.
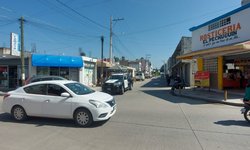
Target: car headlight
<point>117,83</point>
<point>98,104</point>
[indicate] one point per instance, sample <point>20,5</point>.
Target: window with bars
<point>219,24</point>
<point>210,65</point>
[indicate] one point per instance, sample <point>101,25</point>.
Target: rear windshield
<point>79,88</point>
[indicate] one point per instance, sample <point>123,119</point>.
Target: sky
<point>147,28</point>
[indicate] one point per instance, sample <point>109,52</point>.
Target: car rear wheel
<point>83,117</point>
<point>18,113</point>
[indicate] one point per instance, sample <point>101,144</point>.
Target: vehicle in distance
<point>117,83</point>
<point>59,99</point>
<point>140,76</point>
<point>42,78</point>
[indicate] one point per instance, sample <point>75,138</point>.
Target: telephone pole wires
<point>102,40</point>
<point>22,50</point>
<point>110,36</point>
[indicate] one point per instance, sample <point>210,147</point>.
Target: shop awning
<point>44,60</point>
<point>219,51</point>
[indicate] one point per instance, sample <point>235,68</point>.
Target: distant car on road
<point>59,99</point>
<point>140,76</point>
<point>42,78</point>
<point>117,83</point>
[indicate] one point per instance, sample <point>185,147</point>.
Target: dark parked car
<point>42,78</point>
<point>117,83</point>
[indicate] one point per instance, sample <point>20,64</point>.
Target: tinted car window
<point>55,90</point>
<point>79,89</point>
<point>36,89</point>
<point>35,80</point>
<point>119,77</point>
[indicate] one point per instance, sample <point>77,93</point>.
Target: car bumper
<point>111,89</point>
<point>103,113</point>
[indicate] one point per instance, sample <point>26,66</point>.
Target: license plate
<point>109,89</point>
<point>243,110</point>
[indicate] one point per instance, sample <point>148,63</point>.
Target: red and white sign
<point>223,32</point>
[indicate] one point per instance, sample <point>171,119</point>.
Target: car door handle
<point>47,101</point>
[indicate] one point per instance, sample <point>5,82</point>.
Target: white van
<point>140,76</point>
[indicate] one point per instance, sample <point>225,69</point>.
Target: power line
<point>123,45</point>
<point>57,29</point>
<point>174,23</point>
<point>90,20</point>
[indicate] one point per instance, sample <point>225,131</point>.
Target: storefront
<point>10,72</point>
<point>64,66</point>
<point>89,71</point>
<point>222,47</point>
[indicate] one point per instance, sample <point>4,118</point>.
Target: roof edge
<point>221,17</point>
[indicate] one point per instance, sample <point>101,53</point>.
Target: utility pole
<point>110,36</point>
<point>22,51</point>
<point>102,40</point>
<point>111,44</point>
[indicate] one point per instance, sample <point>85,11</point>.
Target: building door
<point>3,77</point>
<point>13,79</point>
<point>74,74</point>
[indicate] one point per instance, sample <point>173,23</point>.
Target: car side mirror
<point>65,94</point>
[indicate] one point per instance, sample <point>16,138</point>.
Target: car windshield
<point>79,88</point>
<point>119,77</point>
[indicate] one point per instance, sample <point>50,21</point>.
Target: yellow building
<point>222,47</point>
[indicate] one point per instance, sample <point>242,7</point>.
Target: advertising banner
<point>14,44</point>
<point>227,30</point>
<point>202,78</point>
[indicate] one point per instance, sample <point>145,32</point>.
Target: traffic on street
<point>147,117</point>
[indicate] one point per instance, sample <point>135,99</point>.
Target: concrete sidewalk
<point>215,96</point>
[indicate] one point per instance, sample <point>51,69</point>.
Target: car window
<point>79,89</point>
<point>35,80</point>
<point>55,90</point>
<point>36,89</point>
<point>119,77</point>
<point>46,79</point>
<point>57,78</point>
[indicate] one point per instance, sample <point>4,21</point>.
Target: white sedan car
<point>59,99</point>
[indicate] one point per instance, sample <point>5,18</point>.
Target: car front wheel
<point>83,117</point>
<point>122,90</point>
<point>18,113</point>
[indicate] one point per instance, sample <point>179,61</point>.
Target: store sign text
<point>221,35</point>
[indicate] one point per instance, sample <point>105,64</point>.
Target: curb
<point>212,100</point>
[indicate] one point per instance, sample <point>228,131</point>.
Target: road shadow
<point>39,121</point>
<point>166,96</point>
<point>156,83</point>
<point>242,123</point>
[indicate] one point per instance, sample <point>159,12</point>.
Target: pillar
<point>220,72</point>
<point>200,64</point>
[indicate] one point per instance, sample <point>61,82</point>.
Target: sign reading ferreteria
<point>231,28</point>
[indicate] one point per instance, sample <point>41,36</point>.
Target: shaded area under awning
<point>219,51</point>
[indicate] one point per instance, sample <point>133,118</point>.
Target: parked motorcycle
<point>246,110</point>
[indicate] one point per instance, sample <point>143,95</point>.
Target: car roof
<point>52,82</point>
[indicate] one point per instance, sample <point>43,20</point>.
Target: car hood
<point>111,81</point>
<point>100,96</point>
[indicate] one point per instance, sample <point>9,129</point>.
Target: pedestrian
<point>176,84</point>
<point>167,79</point>
<point>247,93</point>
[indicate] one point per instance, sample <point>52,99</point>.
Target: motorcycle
<point>246,110</point>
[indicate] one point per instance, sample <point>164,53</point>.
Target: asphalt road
<point>148,118</point>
